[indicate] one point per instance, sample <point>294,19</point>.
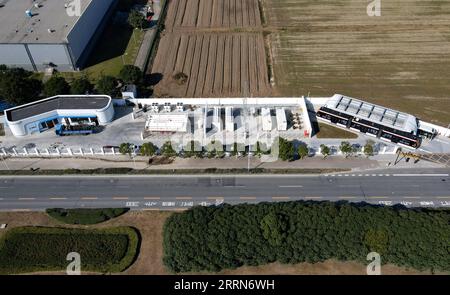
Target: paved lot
<point>412,188</point>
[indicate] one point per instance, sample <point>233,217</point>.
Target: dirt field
<point>213,14</point>
<point>218,45</point>
<point>399,60</point>
<point>216,64</point>
<point>150,224</point>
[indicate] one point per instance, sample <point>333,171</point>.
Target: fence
<point>113,151</point>
<point>58,152</point>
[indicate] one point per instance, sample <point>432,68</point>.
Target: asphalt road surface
<point>412,188</point>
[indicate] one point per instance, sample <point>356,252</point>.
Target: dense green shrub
<point>214,238</point>
<point>85,216</point>
<point>30,249</point>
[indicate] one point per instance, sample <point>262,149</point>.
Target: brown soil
<point>217,44</point>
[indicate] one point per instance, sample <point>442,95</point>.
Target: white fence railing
<point>57,152</point>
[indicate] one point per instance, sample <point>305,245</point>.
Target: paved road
<point>419,188</point>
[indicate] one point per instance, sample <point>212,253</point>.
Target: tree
<point>56,86</point>
<point>324,150</point>
<point>262,149</point>
<point>167,150</point>
<point>126,148</point>
<point>136,19</point>
<point>148,149</point>
<point>368,148</point>
<point>131,74</point>
<point>346,148</point>
<point>181,78</point>
<point>303,151</point>
<point>274,227</point>
<point>193,148</point>
<point>17,86</point>
<point>286,149</point>
<point>81,86</point>
<point>107,85</point>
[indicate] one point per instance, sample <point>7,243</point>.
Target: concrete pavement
<point>417,188</point>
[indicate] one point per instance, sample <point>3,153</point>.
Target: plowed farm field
<point>400,59</point>
<point>217,45</point>
<point>216,64</point>
<point>213,14</point>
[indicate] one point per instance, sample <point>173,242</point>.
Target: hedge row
<point>32,249</point>
<point>85,216</point>
<point>215,238</point>
<point>131,171</point>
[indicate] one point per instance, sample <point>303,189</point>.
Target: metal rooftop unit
<point>374,113</point>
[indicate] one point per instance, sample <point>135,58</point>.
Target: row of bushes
<point>32,249</point>
<point>286,150</point>
<point>215,238</point>
<point>85,216</point>
<point>131,171</point>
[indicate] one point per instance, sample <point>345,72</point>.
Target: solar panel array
<point>371,112</point>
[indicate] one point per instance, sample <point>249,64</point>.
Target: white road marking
<point>420,175</point>
<point>27,199</point>
<point>290,186</point>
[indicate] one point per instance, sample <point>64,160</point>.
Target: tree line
<point>19,86</point>
<point>215,149</point>
<point>227,237</point>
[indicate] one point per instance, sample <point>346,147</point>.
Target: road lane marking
<point>420,175</point>
<point>214,198</point>
<point>347,197</point>
<point>234,186</point>
<point>247,198</point>
<point>443,197</point>
<point>26,199</point>
<point>1,199</point>
<point>58,198</point>
<point>89,198</point>
<point>183,198</point>
<point>152,198</point>
<point>378,197</point>
<point>120,198</point>
<point>313,197</point>
<point>411,197</point>
<point>290,186</point>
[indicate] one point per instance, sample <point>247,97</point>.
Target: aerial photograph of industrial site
<point>258,141</point>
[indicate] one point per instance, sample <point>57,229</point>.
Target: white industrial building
<point>39,34</point>
<point>45,114</point>
<point>281,119</point>
<point>266,118</point>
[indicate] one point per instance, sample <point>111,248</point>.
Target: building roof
<point>374,113</point>
<point>67,102</point>
<point>167,122</point>
<point>17,27</point>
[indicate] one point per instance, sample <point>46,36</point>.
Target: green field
<point>328,131</point>
<point>32,249</point>
<point>118,46</point>
<point>85,216</point>
<point>399,60</point>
